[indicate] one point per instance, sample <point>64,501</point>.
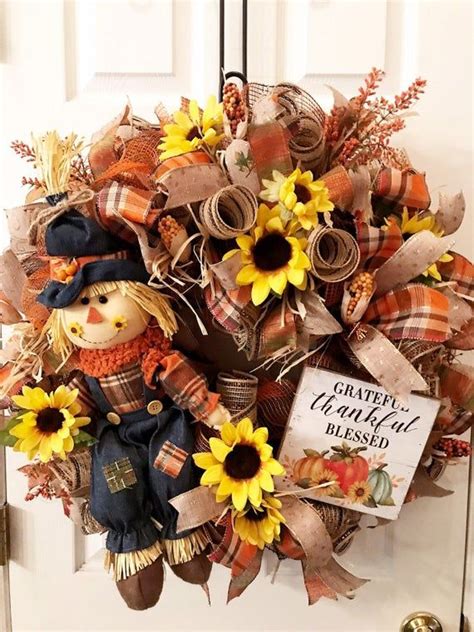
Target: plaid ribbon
<point>170,459</point>
<point>276,333</point>
<point>454,419</point>
<point>119,475</point>
<point>405,188</point>
<point>186,387</point>
<point>377,245</point>
<point>269,144</point>
<point>413,312</point>
<point>459,271</point>
<point>242,558</point>
<point>131,203</point>
<point>227,306</point>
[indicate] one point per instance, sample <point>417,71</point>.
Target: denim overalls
<point>138,514</point>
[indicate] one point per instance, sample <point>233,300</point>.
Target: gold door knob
<point>421,622</point>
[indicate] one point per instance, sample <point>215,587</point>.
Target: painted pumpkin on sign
<point>381,484</point>
<point>310,466</point>
<point>348,465</point>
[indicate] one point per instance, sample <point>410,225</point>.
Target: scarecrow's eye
<point>103,299</point>
<point>85,300</point>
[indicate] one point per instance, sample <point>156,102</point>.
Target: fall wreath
<point>166,285</point>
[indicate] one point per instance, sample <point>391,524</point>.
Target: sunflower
<point>299,194</point>
<point>259,526</point>
<point>328,481</point>
<point>359,492</point>
<point>240,463</point>
<point>48,422</point>
<point>271,256</point>
<point>193,130</point>
<point>119,323</point>
<point>415,224</point>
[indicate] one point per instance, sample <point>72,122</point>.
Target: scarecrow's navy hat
<point>81,253</point>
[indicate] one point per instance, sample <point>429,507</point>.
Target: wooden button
<point>154,407</point>
<point>113,418</point>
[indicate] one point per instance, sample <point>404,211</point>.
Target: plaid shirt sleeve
<point>186,387</point>
<point>85,399</point>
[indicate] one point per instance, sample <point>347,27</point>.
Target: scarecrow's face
<point>101,322</point>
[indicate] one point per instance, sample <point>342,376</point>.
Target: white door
<point>71,65</point>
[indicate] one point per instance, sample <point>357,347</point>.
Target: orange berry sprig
<point>362,286</point>
<point>234,108</point>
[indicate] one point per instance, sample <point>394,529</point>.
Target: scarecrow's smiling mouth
<point>100,342</point>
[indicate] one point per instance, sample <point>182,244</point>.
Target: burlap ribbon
<point>385,363</point>
<point>450,212</point>
<point>192,183</point>
<point>307,143</point>
<point>230,212</point>
<point>412,259</point>
<point>334,254</point>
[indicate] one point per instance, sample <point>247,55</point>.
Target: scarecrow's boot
<point>196,571</point>
<point>143,589</point>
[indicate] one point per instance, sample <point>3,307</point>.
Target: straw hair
<point>53,157</point>
<point>146,297</point>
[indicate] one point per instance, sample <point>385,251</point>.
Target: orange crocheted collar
<point>103,362</point>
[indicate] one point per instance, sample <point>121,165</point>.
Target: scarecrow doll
<point>142,397</point>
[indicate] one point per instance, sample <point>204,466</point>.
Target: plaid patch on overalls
<point>170,459</point>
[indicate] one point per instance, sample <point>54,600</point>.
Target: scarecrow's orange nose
<point>94,316</point>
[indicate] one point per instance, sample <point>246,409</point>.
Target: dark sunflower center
<point>49,420</point>
<point>243,462</point>
<point>302,193</point>
<point>360,491</point>
<point>255,516</point>
<point>193,133</point>
<point>271,252</point>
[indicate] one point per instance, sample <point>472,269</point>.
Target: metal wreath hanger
<point>224,76</point>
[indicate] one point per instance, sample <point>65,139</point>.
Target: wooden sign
<point>350,443</point>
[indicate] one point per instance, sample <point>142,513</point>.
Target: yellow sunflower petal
<point>295,276</point>
<point>265,479</point>
<point>278,282</point>
<point>255,492</point>
<point>45,449</point>
<point>240,495</point>
<point>21,431</point>
<point>225,487</point>
<point>183,120</point>
<point>213,475</point>
<point>266,452</point>
<point>245,242</point>
<point>57,443</point>
<point>205,460</point>
<point>69,444</point>
<point>260,436</point>
<point>194,114</point>
<point>247,275</point>
<point>31,441</point>
<point>275,225</point>
<point>219,449</point>
<point>274,467</point>
<point>228,433</point>
<point>244,429</point>
<point>260,290</point>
